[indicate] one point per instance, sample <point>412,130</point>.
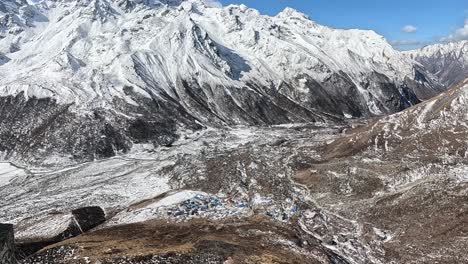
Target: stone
<point>35,233</point>
<point>89,217</point>
<point>7,244</point>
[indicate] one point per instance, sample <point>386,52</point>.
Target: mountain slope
<point>448,62</point>
<point>434,129</point>
<point>144,71</point>
<point>405,173</point>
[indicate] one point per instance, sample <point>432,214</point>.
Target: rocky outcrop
<point>7,244</point>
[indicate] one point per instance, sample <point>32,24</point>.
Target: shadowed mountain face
<point>168,66</point>
<point>32,129</point>
<point>448,62</point>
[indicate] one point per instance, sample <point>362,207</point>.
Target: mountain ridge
<point>449,61</point>
<point>204,65</point>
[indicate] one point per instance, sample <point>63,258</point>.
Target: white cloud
<point>409,29</point>
<point>459,34</point>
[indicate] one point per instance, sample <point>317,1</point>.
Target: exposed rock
<point>89,217</point>
<point>7,244</point>
<point>35,233</point>
<point>38,232</point>
<point>33,130</point>
<point>435,127</point>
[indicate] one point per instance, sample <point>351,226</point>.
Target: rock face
<point>7,244</point>
<point>33,234</point>
<point>448,62</point>
<point>118,73</point>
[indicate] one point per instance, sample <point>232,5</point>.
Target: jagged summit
<point>289,12</point>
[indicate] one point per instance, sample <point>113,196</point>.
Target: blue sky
<point>426,21</point>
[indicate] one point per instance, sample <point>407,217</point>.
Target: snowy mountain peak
<point>223,46</point>
<point>456,48</point>
<point>449,62</point>
<point>289,12</point>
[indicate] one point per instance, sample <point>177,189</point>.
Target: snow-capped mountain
<point>145,131</point>
<point>448,62</point>
<point>123,72</point>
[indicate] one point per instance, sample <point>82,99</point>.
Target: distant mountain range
<point>448,62</point>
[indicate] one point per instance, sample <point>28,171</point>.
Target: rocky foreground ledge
<point>251,240</point>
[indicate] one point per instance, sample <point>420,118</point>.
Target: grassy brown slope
<point>253,240</point>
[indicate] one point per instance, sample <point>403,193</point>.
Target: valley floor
<point>245,195</point>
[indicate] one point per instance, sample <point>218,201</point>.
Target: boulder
<point>7,244</point>
<point>35,233</point>
<point>89,217</point>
